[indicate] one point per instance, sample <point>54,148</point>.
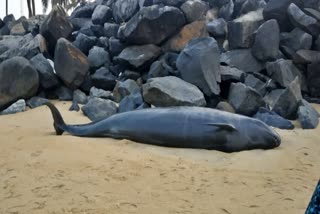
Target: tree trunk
<point>29,8</point>
<point>33,8</point>
<point>6,7</point>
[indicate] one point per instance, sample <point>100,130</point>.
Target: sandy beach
<point>44,173</point>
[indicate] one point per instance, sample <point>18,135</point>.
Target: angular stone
<point>84,10</point>
<point>245,100</point>
<point>287,102</point>
<point>199,64</point>
<point>138,56</point>
<point>103,42</point>
<point>123,10</point>
<point>159,69</point>
<point>255,83</point>
<point>242,59</point>
<point>84,43</point>
<point>152,25</point>
<point>297,39</point>
<point>63,93</point>
<point>194,10</point>
<point>115,46</point>
<point>55,26</point>
<point>227,10</point>
<point>70,64</point>
<point>303,21</point>
<point>307,118</point>
<point>241,30</point>
<point>104,79</point>
<point>251,5</point>
<point>190,31</point>
<point>98,57</point>
<point>266,44</point>
<point>16,107</point>
<point>100,93</point>
<point>306,57</point>
<point>79,23</point>
<point>125,88</point>
<point>172,91</point>
<point>276,9</point>
<point>18,79</point>
<point>283,72</point>
<point>35,102</point>
<point>231,74</point>
<point>48,79</point>
<point>225,106</point>
<point>273,119</point>
<point>313,80</point>
<point>101,14</point>
<point>111,30</point>
<point>131,102</point>
<point>98,109</point>
<point>80,97</point>
<point>217,27</point>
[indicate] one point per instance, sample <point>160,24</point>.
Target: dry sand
<point>44,173</point>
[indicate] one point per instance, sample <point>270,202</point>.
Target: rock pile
<point>258,58</point>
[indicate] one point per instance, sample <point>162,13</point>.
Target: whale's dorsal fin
<point>224,126</point>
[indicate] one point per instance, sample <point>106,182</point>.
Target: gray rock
<point>276,9</point>
<point>313,13</point>
<point>159,69</point>
<point>98,109</point>
<point>297,39</point>
<point>101,14</point>
<point>111,30</point>
<point>225,106</point>
<point>80,97</point>
<point>138,56</point>
<point>103,42</point>
<point>123,89</point>
<point>131,102</point>
<point>313,80</point>
<point>63,93</point>
<point>100,93</point>
<point>244,99</point>
<point>199,64</point>
<point>79,23</point>
<point>303,21</point>
<point>283,72</point>
<point>123,10</point>
<point>127,74</point>
<point>84,43</point>
<point>286,102</point>
<point>98,57</point>
<point>217,27</point>
<point>19,28</point>
<point>55,26</point>
<point>306,57</point>
<point>227,10</point>
<point>104,79</point>
<point>307,118</point>
<point>242,59</point>
<point>194,10</point>
<point>18,79</point>
<point>115,46</point>
<point>251,5</point>
<point>172,91</point>
<point>241,30</point>
<point>257,84</point>
<point>231,74</point>
<point>273,119</point>
<point>266,44</point>
<point>35,102</point>
<point>48,79</point>
<point>152,25</point>
<point>16,107</point>
<point>84,10</point>
<point>70,63</point>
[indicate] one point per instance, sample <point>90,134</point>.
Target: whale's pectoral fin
<point>223,126</point>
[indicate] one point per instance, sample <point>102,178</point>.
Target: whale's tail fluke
<point>58,123</point>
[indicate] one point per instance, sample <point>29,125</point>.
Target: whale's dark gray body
<point>182,127</point>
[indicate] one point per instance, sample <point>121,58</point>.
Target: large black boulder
<point>48,79</point>
<point>56,26</point>
<point>266,44</point>
<point>172,91</point>
<point>70,64</point>
<point>152,25</point>
<point>199,64</point>
<point>104,79</point>
<point>244,99</point>
<point>123,10</point>
<point>18,79</point>
<point>84,42</point>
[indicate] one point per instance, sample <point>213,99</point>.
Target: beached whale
<point>182,127</point>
